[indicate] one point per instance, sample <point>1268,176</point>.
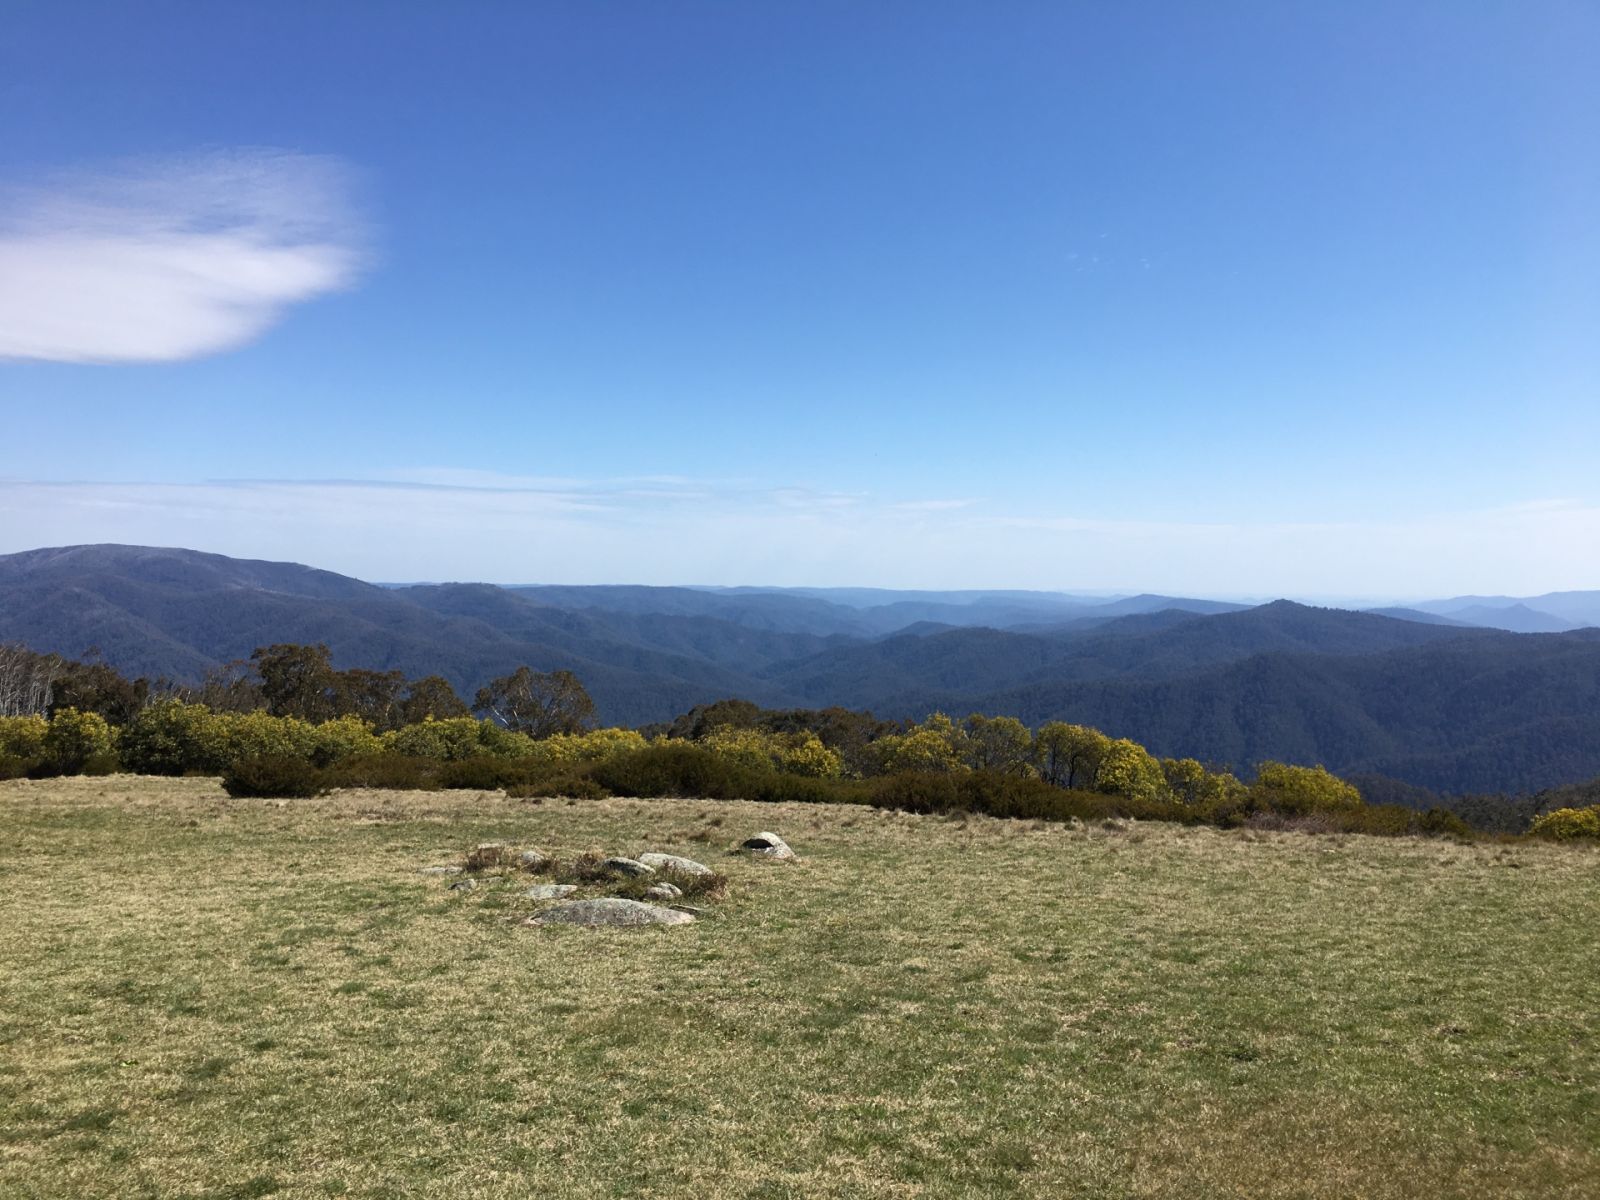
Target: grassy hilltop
<point>206,997</point>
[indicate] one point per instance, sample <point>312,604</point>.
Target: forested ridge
<point>1429,701</point>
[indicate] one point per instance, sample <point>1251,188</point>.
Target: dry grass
<point>217,998</point>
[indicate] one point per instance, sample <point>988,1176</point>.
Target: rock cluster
<point>610,912</point>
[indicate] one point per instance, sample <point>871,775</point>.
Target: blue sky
<point>1227,299</point>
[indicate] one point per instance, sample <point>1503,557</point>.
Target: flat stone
<point>663,891</point>
<point>627,866</point>
<point>674,862</point>
<point>532,860</point>
<point>550,891</point>
<point>463,885</point>
<point>768,845</point>
<point>440,871</point>
<point>610,912</point>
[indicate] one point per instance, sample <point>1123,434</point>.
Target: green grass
<point>204,997</point>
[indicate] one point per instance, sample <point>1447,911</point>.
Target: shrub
<point>262,735</point>
<point>1568,824</point>
<point>23,737</point>
<point>674,769</point>
<point>1296,791</point>
<point>394,771</point>
<point>343,738</point>
<point>488,772</point>
<point>280,775</point>
<point>456,738</point>
<point>75,743</point>
<point>173,738</point>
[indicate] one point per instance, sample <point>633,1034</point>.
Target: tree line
<point>292,680</point>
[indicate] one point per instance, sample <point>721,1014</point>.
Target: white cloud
<point>163,261</point>
<point>730,532</point>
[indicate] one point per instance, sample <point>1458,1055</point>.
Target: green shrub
<point>262,735</point>
<point>343,738</point>
<point>674,769</point>
<point>1297,791</point>
<point>23,737</point>
<point>1568,824</point>
<point>75,743</point>
<point>397,772</point>
<point>281,775</point>
<point>174,738</point>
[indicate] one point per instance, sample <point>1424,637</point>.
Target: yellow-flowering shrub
<point>1566,824</point>
<point>261,735</point>
<point>78,741</point>
<point>171,738</point>
<point>935,746</point>
<point>341,738</point>
<point>597,745</point>
<point>788,753</point>
<point>22,737</point>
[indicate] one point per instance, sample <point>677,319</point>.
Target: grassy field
<point>207,997</point>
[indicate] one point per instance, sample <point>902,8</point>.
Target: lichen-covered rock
<point>631,867</point>
<point>533,860</point>
<point>550,891</point>
<point>463,885</point>
<point>663,891</point>
<point>440,871</point>
<point>613,913</point>
<point>674,862</point>
<point>768,845</point>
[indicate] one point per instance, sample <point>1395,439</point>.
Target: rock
<point>550,891</point>
<point>533,860</point>
<point>440,871</point>
<point>768,845</point>
<point>663,891</point>
<point>692,910</point>
<point>631,867</point>
<point>463,885</point>
<point>610,912</point>
<point>672,862</point>
<point>488,854</point>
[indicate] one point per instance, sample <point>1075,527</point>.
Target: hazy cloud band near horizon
<point>680,531</point>
<point>165,260</point>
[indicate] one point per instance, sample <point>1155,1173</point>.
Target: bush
<point>174,738</point>
<point>278,775</point>
<point>76,743</point>
<point>674,769</point>
<point>1297,791</point>
<point>343,738</point>
<point>1568,824</point>
<point>394,771</point>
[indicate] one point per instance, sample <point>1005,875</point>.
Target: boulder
<point>463,885</point>
<point>631,867</point>
<point>533,860</point>
<point>768,845</point>
<point>663,891</point>
<point>673,862</point>
<point>550,891</point>
<point>610,912</point>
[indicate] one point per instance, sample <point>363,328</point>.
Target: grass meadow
<point>205,997</point>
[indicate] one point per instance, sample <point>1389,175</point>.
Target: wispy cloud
<point>527,530</point>
<point>170,260</point>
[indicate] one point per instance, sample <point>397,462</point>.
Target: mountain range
<point>1428,694</point>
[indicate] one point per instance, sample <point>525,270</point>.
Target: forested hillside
<point>1424,698</point>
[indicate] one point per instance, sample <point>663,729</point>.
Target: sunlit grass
<point>208,997</point>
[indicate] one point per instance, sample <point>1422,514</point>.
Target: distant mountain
<point>1414,695</point>
<point>1417,614</point>
<point>1549,613</point>
<point>1514,618</point>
